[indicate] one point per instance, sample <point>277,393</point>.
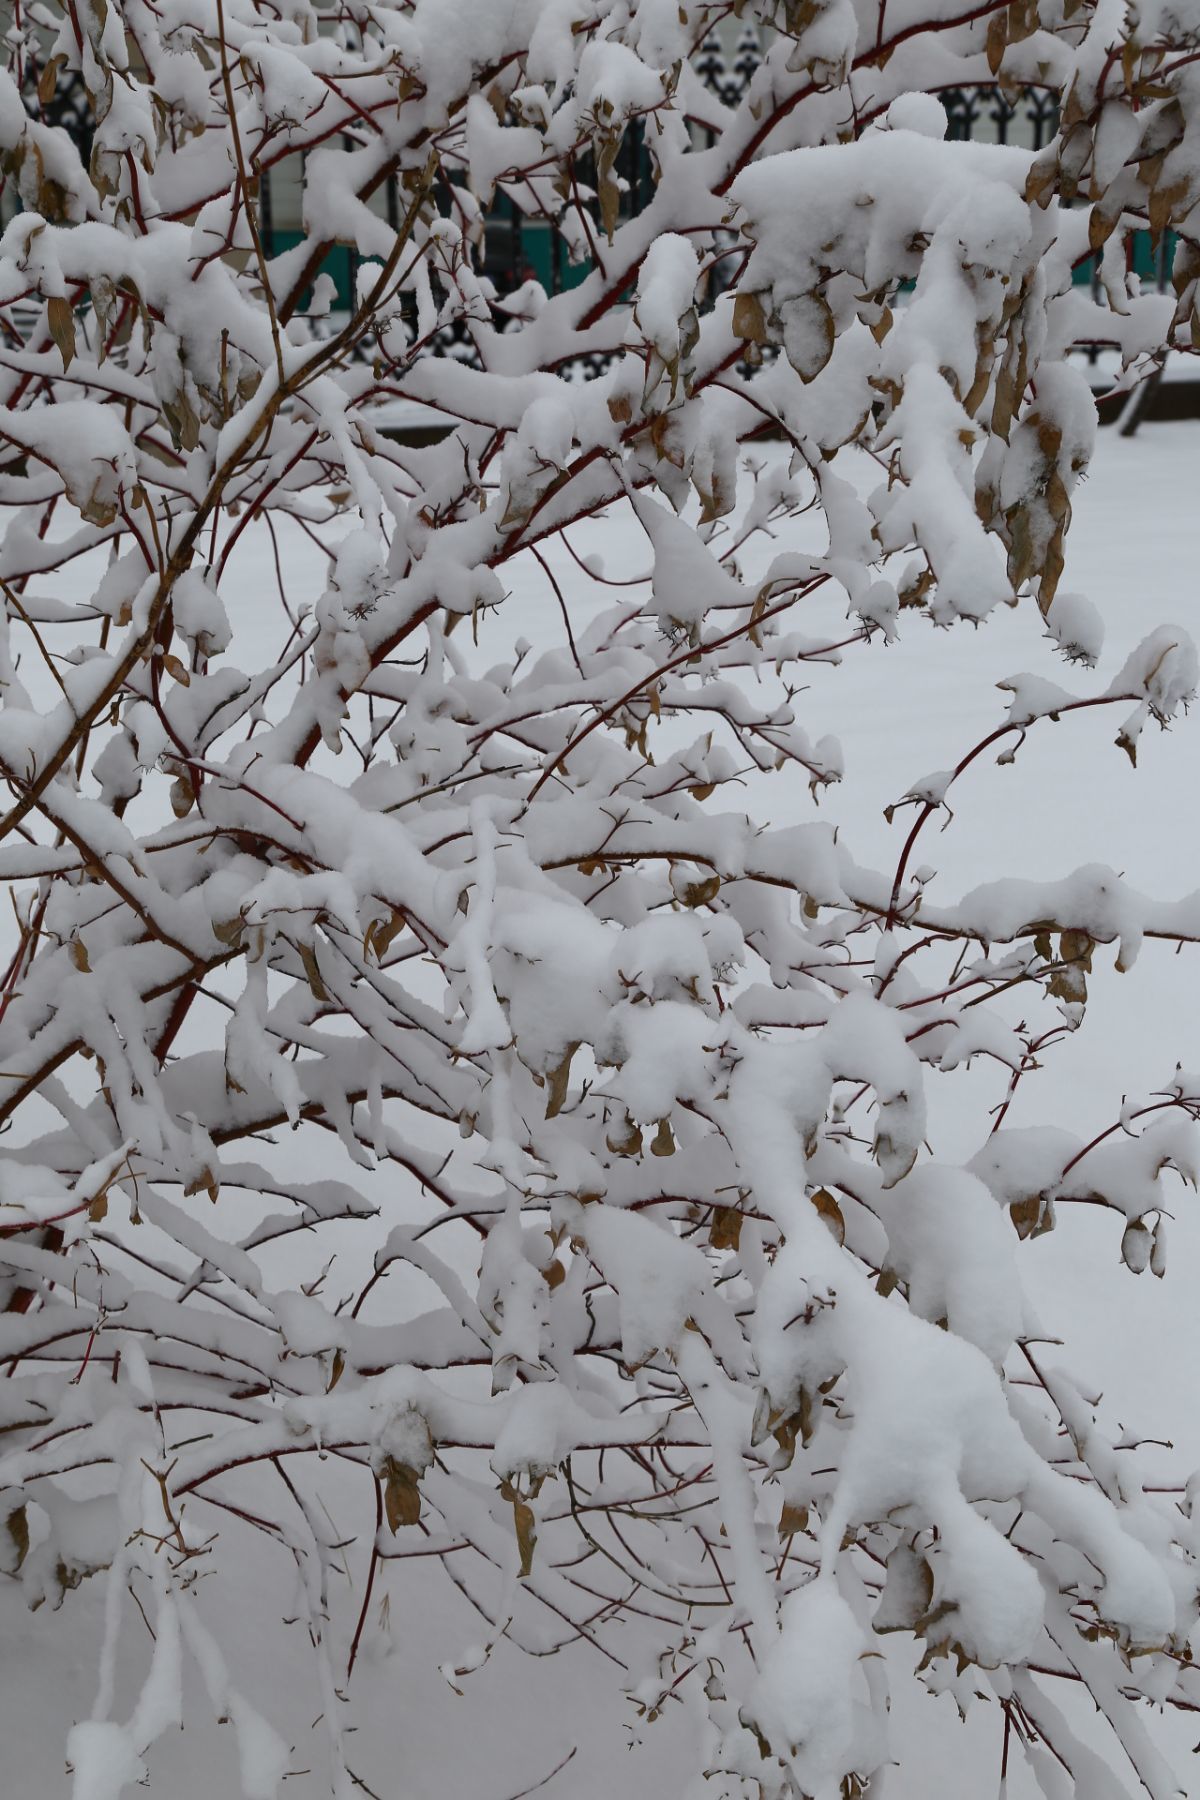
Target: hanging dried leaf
<point>808,334</point>
<point>558,1081</point>
<point>1136,1246</point>
<point>17,1526</point>
<point>831,1212</point>
<point>523,1524</point>
<point>60,316</point>
<point>749,319</point>
<point>182,796</point>
<point>627,1140</point>
<point>401,1494</point>
<point>47,84</point>
<point>1032,1216</point>
<point>699,893</point>
<point>308,957</point>
<point>725,1232</point>
<point>1069,981</point>
<point>792,1519</point>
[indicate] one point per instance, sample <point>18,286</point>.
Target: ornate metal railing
<point>1028,116</point>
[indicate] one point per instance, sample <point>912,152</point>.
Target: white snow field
<point>561,1725</point>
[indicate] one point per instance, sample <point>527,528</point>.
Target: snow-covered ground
<point>1070,798</point>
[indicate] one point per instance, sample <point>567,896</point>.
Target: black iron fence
<point>517,248</point>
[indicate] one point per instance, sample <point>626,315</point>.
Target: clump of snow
<point>954,1248</point>
<point>104,1760</point>
<point>922,113</point>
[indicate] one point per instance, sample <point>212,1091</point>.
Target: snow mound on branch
<point>659,1279</point>
<point>922,113</point>
<point>954,1247</point>
<point>810,1698</point>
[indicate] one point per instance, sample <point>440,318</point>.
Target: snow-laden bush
<point>632,1084</point>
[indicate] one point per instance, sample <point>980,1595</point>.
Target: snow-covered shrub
<point>416,946</point>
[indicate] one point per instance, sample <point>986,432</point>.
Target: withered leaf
<point>663,1142</point>
<point>792,1519</point>
<point>725,1232</point>
<point>181,796</point>
<point>60,316</point>
<point>523,1524</point>
<point>17,1525</point>
<point>700,893</point>
<point>558,1080</point>
<point>997,41</point>
<point>1033,1216</point>
<point>1136,1246</point>
<point>749,320</point>
<point>401,1494</point>
<point>627,1141</point>
<point>48,79</point>
<point>831,1212</point>
<point>308,957</point>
